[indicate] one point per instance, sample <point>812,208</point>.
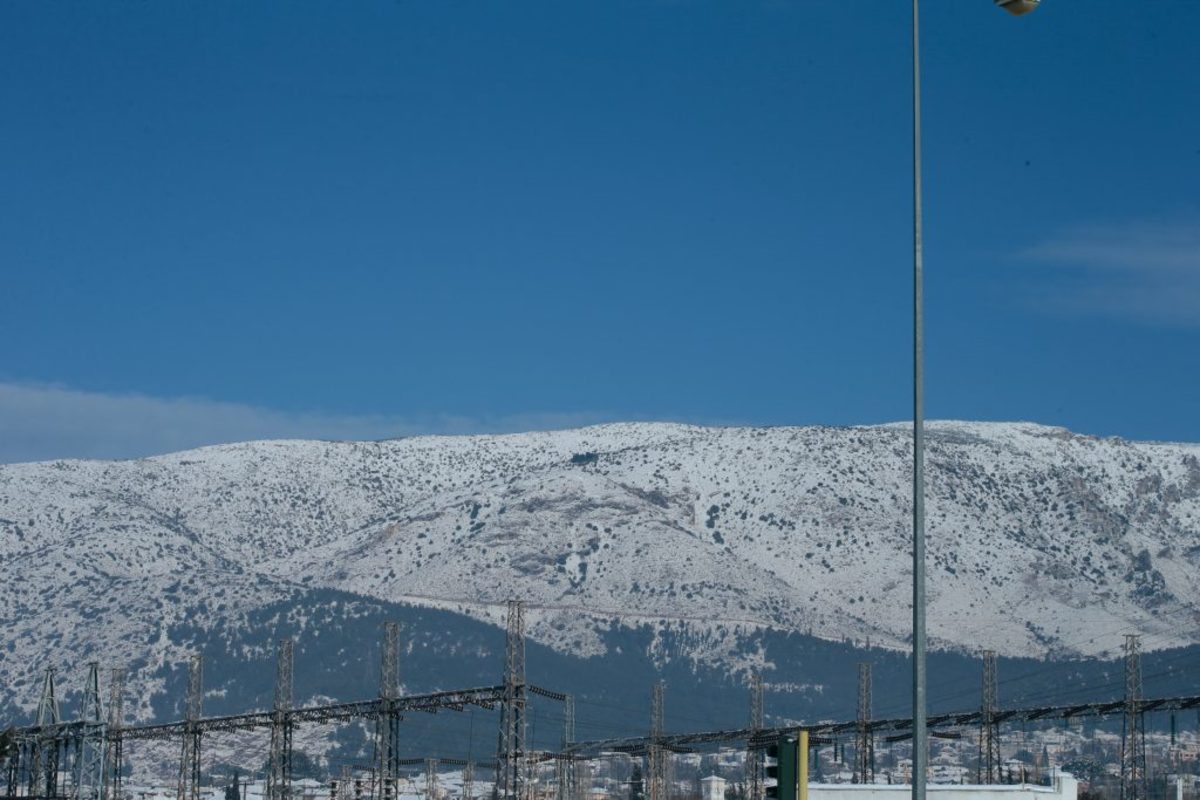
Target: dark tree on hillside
<point>637,786</point>
<point>8,743</point>
<point>234,790</point>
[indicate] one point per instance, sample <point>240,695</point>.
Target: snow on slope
<point>1040,541</point>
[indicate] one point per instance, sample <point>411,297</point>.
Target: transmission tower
<point>656,754</point>
<point>565,766</point>
<point>754,756</point>
<point>511,777</point>
<point>468,781</point>
<point>1133,731</point>
<point>189,759</point>
<point>431,779</point>
<point>45,748</point>
<point>114,758</point>
<point>88,778</point>
<point>12,762</point>
<point>346,784</point>
<point>583,780</point>
<point>13,771</point>
<point>989,726</point>
<point>387,723</point>
<point>279,765</point>
<point>864,750</point>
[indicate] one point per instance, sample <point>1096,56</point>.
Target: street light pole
<point>920,739</point>
<point>920,734</point>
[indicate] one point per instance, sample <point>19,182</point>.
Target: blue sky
<point>230,220</point>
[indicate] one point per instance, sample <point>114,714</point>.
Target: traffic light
<point>783,765</point>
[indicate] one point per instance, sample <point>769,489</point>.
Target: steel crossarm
<point>490,696</point>
<point>456,699</point>
<point>338,712</point>
<point>901,728</point>
<point>59,730</point>
<point>168,730</point>
<point>442,762</point>
<point>881,725</point>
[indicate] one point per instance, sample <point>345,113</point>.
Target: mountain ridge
<point>1042,541</point>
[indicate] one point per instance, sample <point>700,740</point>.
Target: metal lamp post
<point>920,736</point>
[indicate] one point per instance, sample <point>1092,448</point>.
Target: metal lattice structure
<point>88,772</point>
<point>583,779</point>
<point>565,767</point>
<point>656,754</point>
<point>387,722</point>
<point>45,746</point>
<point>431,779</point>
<point>189,757</point>
<point>899,728</point>
<point>468,781</point>
<point>755,774</point>
<point>33,771</point>
<point>1133,731</point>
<point>989,727</point>
<point>511,773</point>
<point>864,750</point>
<point>12,764</point>
<point>114,760</point>
<point>279,763</point>
<point>453,700</point>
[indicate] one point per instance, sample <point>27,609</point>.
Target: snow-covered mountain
<point>1041,541</point>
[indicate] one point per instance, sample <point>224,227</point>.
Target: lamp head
<point>1018,7</point>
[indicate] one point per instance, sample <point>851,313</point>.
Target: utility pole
<point>989,727</point>
<point>387,722</point>
<point>189,760</point>
<point>656,753</point>
<point>754,755</point>
<point>1133,732</point>
<point>864,751</point>
<point>114,760</point>
<point>920,753</point>
<point>920,758</point>
<point>279,769</point>
<point>511,778</point>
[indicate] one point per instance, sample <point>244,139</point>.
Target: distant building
<point>1063,787</point>
<point>712,788</point>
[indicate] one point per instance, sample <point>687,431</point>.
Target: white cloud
<point>39,422</point>
<point>1148,272</point>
